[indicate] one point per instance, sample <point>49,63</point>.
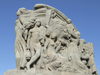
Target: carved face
<point>54,36</point>
<point>78,34</point>
<point>42,41</point>
<point>38,23</point>
<point>85,50</point>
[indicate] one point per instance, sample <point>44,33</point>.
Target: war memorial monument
<point>47,43</point>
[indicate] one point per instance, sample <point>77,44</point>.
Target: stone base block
<point>39,72</point>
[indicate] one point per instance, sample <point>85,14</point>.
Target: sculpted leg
<point>23,63</point>
<point>34,58</point>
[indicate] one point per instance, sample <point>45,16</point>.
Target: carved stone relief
<point>47,40</point>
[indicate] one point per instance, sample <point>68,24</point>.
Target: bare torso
<point>35,34</point>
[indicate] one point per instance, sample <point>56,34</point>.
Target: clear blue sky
<point>85,15</point>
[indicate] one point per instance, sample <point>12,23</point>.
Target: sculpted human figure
<point>33,43</point>
<point>91,59</point>
<point>53,14</point>
<point>72,31</point>
<point>74,57</point>
<point>84,52</point>
<point>82,44</point>
<point>85,55</point>
<point>51,44</point>
<point>20,43</point>
<point>62,47</point>
<point>52,60</point>
<point>40,63</point>
<point>26,28</point>
<point>65,36</point>
<point>24,18</point>
<point>49,47</point>
<point>27,54</point>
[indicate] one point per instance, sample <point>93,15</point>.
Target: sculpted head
<point>85,49</point>
<point>42,41</point>
<point>82,41</point>
<point>48,33</point>
<point>78,34</point>
<point>21,11</point>
<point>53,14</point>
<point>54,36</point>
<point>69,21</point>
<point>91,44</point>
<point>38,24</point>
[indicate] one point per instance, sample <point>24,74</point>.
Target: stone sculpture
<point>47,41</point>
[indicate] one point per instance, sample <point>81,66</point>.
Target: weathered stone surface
<point>47,43</point>
<point>40,72</point>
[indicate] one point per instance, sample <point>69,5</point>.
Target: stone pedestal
<point>40,72</point>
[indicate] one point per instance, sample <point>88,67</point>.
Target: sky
<point>85,15</point>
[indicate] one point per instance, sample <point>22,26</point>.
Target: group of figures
<point>47,40</point>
